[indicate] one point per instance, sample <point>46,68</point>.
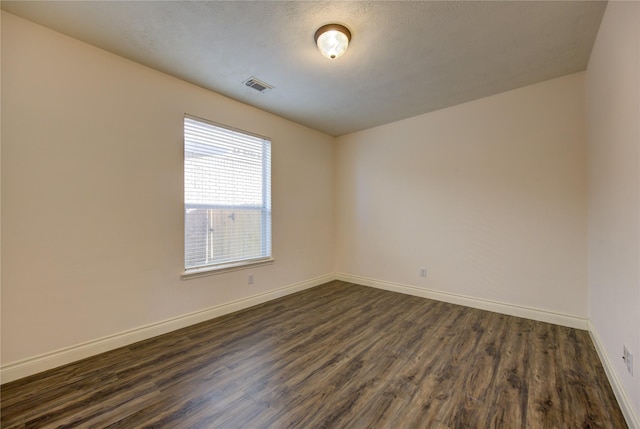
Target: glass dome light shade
<point>332,40</point>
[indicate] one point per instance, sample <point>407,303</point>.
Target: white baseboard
<point>482,304</point>
<point>621,395</point>
<point>36,364</point>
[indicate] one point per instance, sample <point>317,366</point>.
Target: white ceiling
<point>405,58</point>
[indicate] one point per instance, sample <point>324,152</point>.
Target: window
<point>227,197</point>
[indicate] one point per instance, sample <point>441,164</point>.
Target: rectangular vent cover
<point>257,84</point>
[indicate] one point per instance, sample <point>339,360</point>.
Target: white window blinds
<point>227,196</point>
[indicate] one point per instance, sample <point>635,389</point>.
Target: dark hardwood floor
<point>335,356</point>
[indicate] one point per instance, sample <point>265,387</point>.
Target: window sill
<point>220,269</point>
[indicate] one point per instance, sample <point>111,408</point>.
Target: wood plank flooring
<point>335,356</point>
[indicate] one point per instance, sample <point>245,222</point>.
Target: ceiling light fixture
<point>332,40</point>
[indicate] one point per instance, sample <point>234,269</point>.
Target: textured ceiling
<point>405,58</point>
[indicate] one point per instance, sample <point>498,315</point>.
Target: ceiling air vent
<point>257,84</point>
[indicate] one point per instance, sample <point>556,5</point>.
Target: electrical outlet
<point>423,272</point>
<point>628,359</point>
<point>250,279</point>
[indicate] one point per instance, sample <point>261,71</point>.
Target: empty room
<point>297,214</point>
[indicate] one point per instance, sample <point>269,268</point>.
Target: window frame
<point>266,212</point>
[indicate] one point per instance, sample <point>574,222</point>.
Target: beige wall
<point>613,113</point>
<point>489,196</point>
<point>92,217</point>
